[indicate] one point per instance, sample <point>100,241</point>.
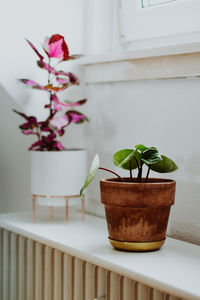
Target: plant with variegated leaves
<point>131,159</point>
<point>48,130</point>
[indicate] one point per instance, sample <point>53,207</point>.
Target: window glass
<point>147,3</point>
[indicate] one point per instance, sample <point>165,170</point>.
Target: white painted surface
<point>159,22</point>
<point>58,173</point>
<point>98,26</point>
<point>174,268</point>
<point>141,53</point>
<point>161,67</point>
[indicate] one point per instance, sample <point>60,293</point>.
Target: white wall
<point>162,113</point>
<point>33,20</point>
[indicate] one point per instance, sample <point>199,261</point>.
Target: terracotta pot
<point>137,213</point>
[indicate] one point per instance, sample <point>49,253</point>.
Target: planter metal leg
<point>34,196</point>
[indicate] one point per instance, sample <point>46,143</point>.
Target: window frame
<point>132,15</point>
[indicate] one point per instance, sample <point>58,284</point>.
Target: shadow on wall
<point>14,159</point>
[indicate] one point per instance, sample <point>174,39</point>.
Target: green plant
<point>131,159</point>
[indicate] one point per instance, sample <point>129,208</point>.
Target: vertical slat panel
<point>5,264</point>
<point>89,288</point>
<point>47,273</point>
<point>143,291</point>
<point>101,282</point>
<point>174,298</point>
<point>29,275</point>
<point>30,270</point>
<point>38,271</point>
<point>67,277</point>
<point>13,266</point>
<point>83,280</point>
<point>128,292</point>
<point>108,277</point>
<point>57,275</point>
<point>21,268</point>
<point>77,279</point>
<point>95,283</point>
<point>158,295</point>
<point>115,287</point>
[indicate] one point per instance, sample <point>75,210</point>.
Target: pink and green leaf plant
<point>61,113</point>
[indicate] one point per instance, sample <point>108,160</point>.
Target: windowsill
<point>173,269</point>
<point>156,63</point>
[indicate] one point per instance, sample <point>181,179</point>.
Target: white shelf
<point>145,64</point>
<point>141,53</point>
<point>174,269</point>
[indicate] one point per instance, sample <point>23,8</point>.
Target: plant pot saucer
<point>137,246</point>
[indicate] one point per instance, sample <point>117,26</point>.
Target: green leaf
<point>124,158</point>
<point>150,156</point>
<point>141,147</point>
<point>165,165</point>
<point>93,170</point>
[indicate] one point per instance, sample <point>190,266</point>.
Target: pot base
<point>134,246</point>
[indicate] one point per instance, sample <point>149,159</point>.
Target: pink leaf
<point>33,47</point>
<point>75,56</point>
<point>57,107</point>
<point>72,78</point>
<point>59,145</point>
<point>56,47</point>
<point>55,98</point>
<point>57,104</point>
<point>76,103</point>
<point>29,132</point>
<point>76,117</point>
<point>62,81</point>
<point>45,66</point>
<point>33,84</point>
<point>60,122</point>
<point>36,146</point>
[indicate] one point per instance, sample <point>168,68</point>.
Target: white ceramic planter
<point>57,173</point>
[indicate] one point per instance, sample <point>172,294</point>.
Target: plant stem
<point>38,134</point>
<point>131,176</point>
<point>49,82</point>
<point>139,179</point>
<point>137,163</point>
<point>100,168</point>
<point>49,71</point>
<point>148,173</point>
<point>51,111</point>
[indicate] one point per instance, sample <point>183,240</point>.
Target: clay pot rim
<point>151,181</point>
